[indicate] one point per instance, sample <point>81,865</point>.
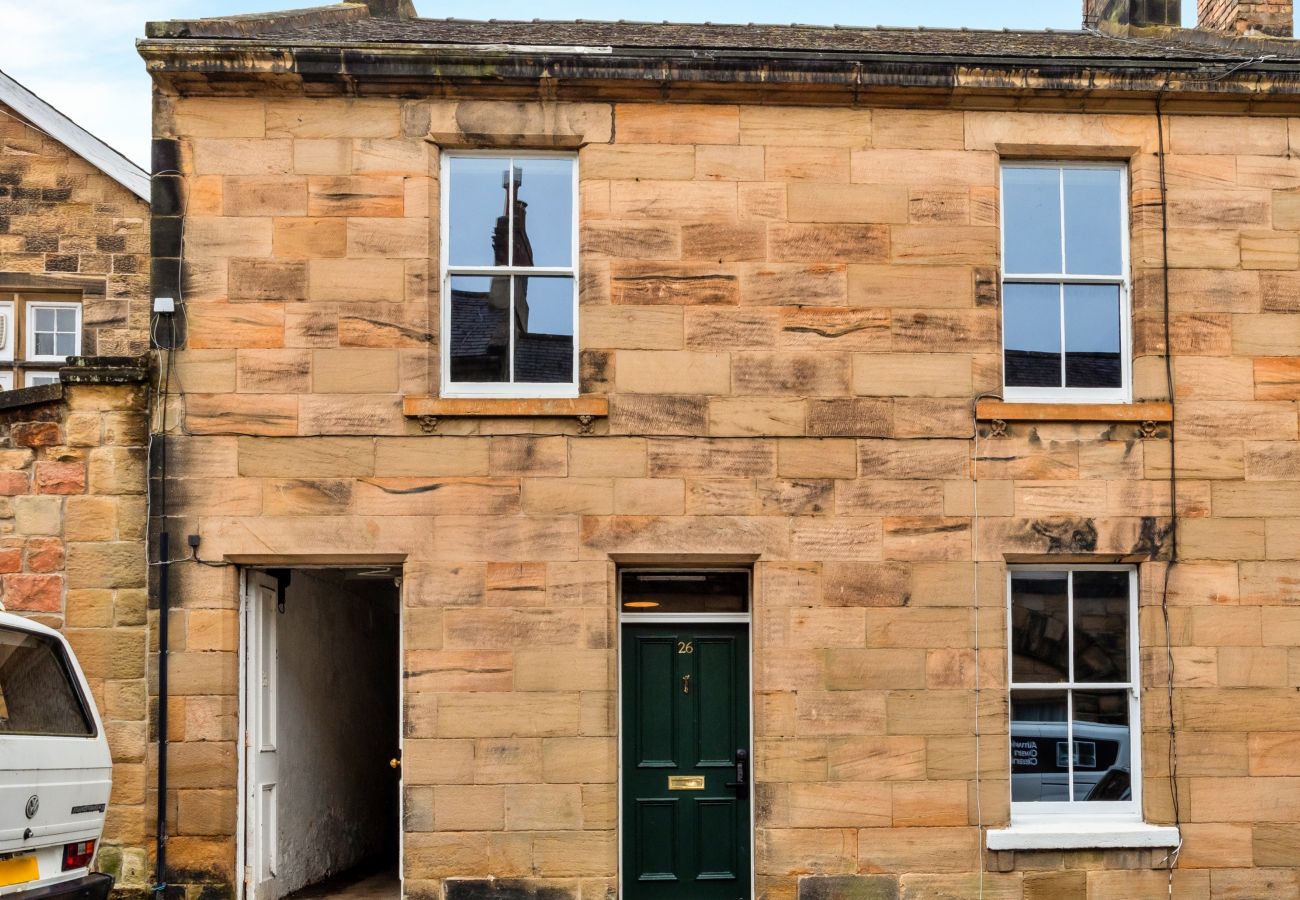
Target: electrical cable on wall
<point>975,593</point>
<point>1170,860</point>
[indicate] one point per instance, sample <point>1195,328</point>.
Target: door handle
<point>742,781</point>
<point>394,763</point>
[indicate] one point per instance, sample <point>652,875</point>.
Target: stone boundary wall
<point>72,556</point>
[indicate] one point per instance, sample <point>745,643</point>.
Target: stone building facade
<point>74,237</point>
<point>790,356</point>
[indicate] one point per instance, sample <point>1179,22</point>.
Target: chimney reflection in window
<point>508,326</point>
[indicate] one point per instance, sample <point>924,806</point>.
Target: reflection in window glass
<point>1064,281</point>
<point>1038,724</point>
<point>511,215</point>
<point>1072,743</point>
<point>1101,739</point>
<point>480,339</point>
<point>1092,222</point>
<point>1031,335</point>
<point>543,329</point>
<point>1040,621</point>
<point>545,189</point>
<point>1101,626</point>
<point>37,692</point>
<point>1032,204</point>
<point>1092,336</point>
<point>478,207</point>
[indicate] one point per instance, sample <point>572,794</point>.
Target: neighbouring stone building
<point>763,438</point>
<point>74,282</point>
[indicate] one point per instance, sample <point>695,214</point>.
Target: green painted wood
<point>685,713</point>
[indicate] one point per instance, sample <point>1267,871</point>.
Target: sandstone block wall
<point>790,311</point>
<point>63,220</point>
<point>72,556</point>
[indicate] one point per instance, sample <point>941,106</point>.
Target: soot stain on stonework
<point>1152,537</point>
<point>1067,535</point>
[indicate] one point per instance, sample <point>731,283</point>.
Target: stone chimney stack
<point>1121,15</point>
<point>1275,18</point>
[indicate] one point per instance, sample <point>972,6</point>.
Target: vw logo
<point>33,806</point>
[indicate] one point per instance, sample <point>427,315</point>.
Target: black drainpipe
<point>164,608</point>
<point>167,207</point>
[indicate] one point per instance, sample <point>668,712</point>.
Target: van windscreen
<point>37,693</point>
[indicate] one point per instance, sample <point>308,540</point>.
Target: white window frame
<point>9,337</point>
<point>1063,394</point>
<point>30,329</point>
<point>503,389</point>
<point>1078,812</point>
<point>30,377</point>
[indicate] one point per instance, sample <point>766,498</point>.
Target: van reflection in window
<point>1040,761</point>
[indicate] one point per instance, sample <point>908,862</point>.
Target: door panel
<point>686,820</point>
<point>655,709</point>
<point>263,761</point>
<point>657,859</point>
<point>717,738</point>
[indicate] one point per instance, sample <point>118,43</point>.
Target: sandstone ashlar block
<point>680,200</point>
<point>266,195</point>
<point>682,124</point>
<point>496,123</point>
<point>356,195</point>
<point>829,243</point>
<point>673,372</point>
<point>759,417</point>
<point>242,156</point>
<point>728,163</point>
<point>816,202</point>
<point>912,374</point>
<point>308,238</point>
<point>667,162</point>
<point>319,117</point>
<point>798,374</point>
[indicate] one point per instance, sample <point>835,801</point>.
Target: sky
<point>79,55</point>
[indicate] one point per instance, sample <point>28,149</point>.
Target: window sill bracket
<point>429,410</point>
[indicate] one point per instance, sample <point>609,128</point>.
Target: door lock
<point>741,784</point>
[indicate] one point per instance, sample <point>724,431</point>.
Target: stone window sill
<point>430,409</point>
<point>1076,834</point>
<point>1001,411</point>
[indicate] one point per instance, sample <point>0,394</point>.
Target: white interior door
<point>262,797</point>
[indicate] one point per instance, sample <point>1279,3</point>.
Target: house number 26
<point>686,646</point>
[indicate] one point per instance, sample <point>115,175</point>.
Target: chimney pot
<point>1275,18</point>
<point>1120,15</point>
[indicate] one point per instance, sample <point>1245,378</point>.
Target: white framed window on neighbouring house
<point>38,332</point>
<point>1075,710</point>
<point>509,267</point>
<point>1066,329</point>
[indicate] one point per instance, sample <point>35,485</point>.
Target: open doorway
<point>323,722</point>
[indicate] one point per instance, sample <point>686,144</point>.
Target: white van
<point>55,769</point>
<point>1040,759</point>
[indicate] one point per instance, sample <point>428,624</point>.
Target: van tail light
<point>78,855</point>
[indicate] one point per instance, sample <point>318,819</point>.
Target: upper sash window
<point>509,275</point>
<point>1065,288</point>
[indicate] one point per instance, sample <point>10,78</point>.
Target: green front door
<point>686,762</point>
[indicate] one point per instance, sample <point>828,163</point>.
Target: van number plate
<point>19,870</point>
